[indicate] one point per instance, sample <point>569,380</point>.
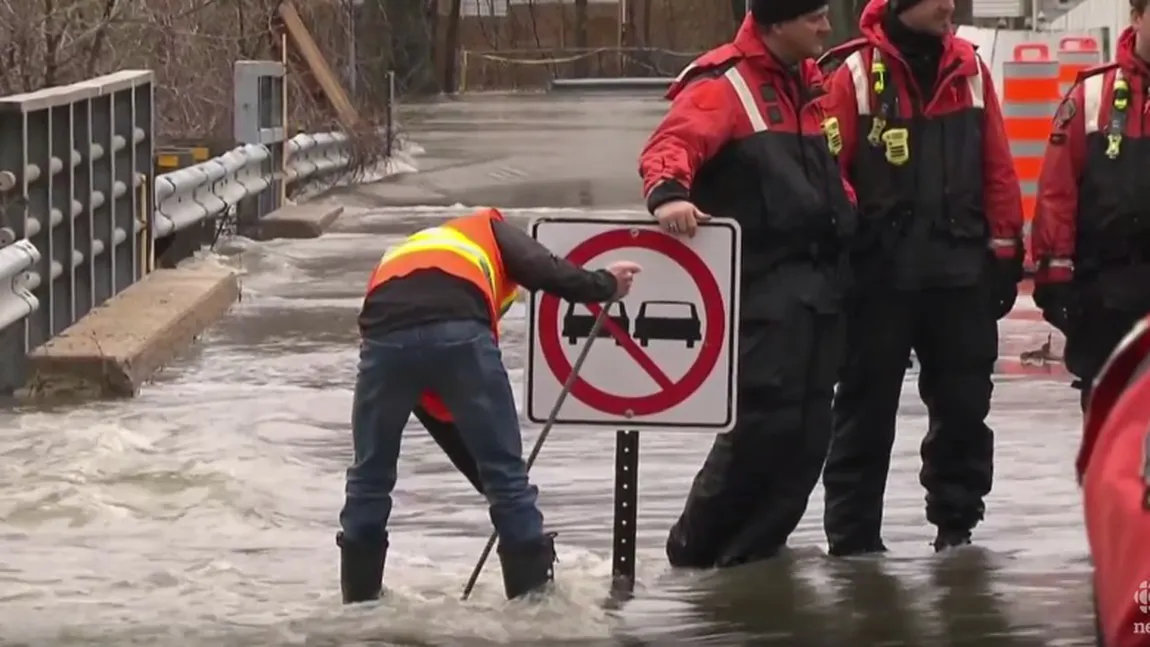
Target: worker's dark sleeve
<point>1054,226</point>
<point>698,124</point>
<point>533,266</point>
<point>1002,192</point>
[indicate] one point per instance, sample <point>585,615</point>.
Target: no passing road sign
<point>666,358</point>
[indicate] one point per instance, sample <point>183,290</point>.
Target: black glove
<point>1060,304</point>
<point>1006,274</point>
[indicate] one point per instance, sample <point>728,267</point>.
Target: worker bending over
<point>429,329</point>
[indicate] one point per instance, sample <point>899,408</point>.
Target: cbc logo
<point>1142,596</point>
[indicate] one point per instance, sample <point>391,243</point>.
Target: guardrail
<point>188,196</point>
<point>80,212</point>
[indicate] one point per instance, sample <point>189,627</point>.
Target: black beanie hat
<point>773,12</point>
<point>899,6</point>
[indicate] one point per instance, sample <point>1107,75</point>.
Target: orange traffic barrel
<point>1030,98</point>
<point>1075,54</point>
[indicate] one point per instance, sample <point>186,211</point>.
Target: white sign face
<point>665,356</point>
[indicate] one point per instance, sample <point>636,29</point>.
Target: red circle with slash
<point>672,392</point>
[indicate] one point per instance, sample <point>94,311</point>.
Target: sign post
<point>672,364</point>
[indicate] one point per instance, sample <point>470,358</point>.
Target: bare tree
<point>484,28</point>
<point>409,26</point>
<point>451,45</point>
<point>534,23</point>
<point>845,19</point>
<point>191,45</point>
<point>581,37</point>
<point>964,12</point>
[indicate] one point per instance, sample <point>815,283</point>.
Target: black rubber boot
<point>951,538</point>
<point>857,549</point>
<point>528,567</point>
<point>360,569</point>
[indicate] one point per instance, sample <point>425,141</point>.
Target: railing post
<point>121,156</point>
<point>259,120</point>
<point>13,214</point>
<point>169,251</point>
<point>74,201</point>
<point>391,108</point>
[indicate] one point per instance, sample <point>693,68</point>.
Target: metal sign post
<point>626,513</point>
<point>668,360</point>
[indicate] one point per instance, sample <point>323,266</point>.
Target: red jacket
<point>1115,477</point>
<point>707,113</point>
<point>1081,192</point>
<point>965,85</point>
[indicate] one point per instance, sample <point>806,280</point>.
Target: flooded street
<point>203,512</point>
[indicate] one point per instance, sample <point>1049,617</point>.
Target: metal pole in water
<point>543,436</point>
<point>626,513</point>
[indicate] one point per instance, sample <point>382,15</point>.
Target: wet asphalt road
<point>203,511</point>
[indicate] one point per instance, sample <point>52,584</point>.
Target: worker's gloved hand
<point>1060,304</point>
<point>1006,273</point>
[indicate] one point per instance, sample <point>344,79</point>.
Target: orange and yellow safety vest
<point>464,247</point>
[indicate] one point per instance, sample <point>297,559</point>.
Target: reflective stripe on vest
<point>746,98</point>
<point>861,78</point>
<point>1092,91</point>
<point>447,239</point>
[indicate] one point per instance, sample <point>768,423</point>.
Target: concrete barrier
<point>298,221</point>
<point>624,84</point>
<point>118,346</point>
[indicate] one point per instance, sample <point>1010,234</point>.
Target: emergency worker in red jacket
<point>938,261</point>
<point>743,139</point>
<point>1092,223</point>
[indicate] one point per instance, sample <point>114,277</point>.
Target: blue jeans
<point>459,361</point>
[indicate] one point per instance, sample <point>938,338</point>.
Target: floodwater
<point>203,511</point>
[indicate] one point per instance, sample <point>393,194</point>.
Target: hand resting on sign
<point>680,217</point>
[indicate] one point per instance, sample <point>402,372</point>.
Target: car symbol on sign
<point>668,320</point>
<point>577,325</point>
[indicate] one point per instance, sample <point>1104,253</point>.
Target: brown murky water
<point>203,511</point>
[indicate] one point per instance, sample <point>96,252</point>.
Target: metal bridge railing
<point>80,209</point>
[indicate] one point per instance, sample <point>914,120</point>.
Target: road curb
<point>117,347</point>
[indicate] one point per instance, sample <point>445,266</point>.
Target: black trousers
<point>954,334</point>
<point>1090,341</point>
<point>756,482</point>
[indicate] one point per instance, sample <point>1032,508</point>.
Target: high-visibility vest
<point>465,248</point>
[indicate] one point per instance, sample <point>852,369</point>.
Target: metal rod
<point>542,437</point>
<point>626,513</point>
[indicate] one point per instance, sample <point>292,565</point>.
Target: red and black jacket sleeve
<point>1054,226</point>
<point>700,121</point>
<point>1003,194</point>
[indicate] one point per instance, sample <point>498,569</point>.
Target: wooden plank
<point>332,88</point>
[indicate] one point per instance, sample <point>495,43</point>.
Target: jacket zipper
<point>919,108</point>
